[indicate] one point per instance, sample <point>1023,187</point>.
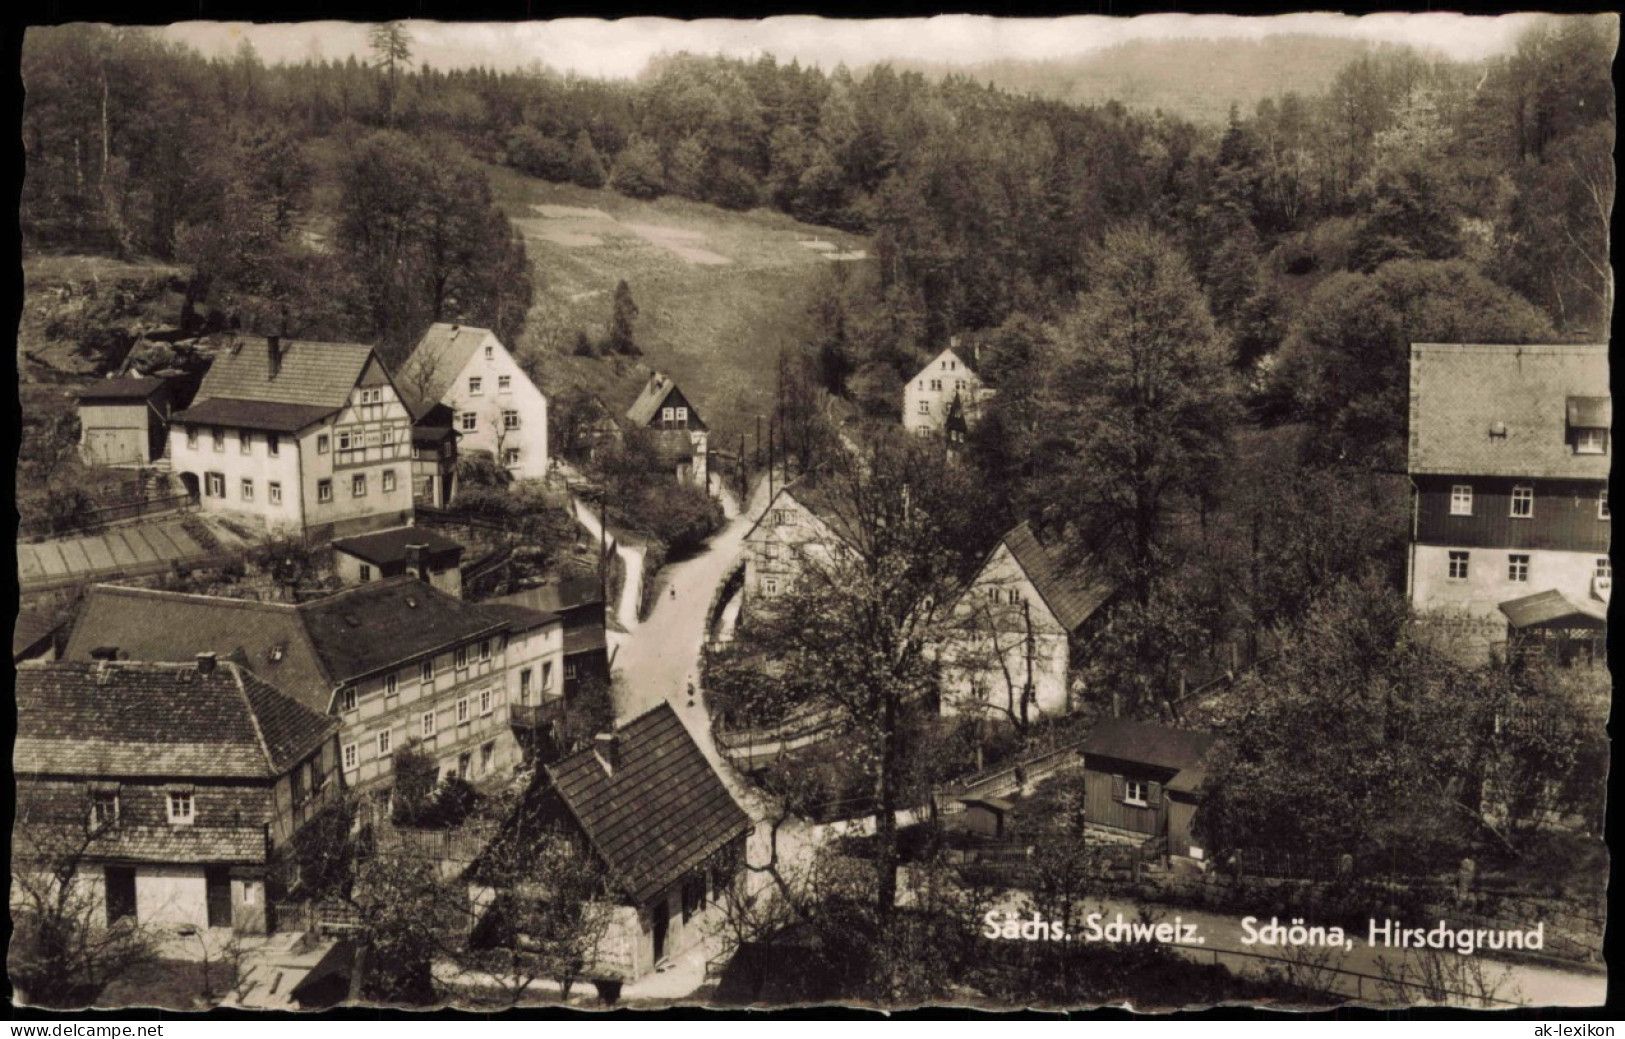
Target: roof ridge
<point>253,715</point>
<point>164,593</point>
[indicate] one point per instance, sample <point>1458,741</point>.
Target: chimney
<point>104,653</point>
<point>205,663</point>
<point>273,350</point>
<point>608,746</point>
<point>415,561</point>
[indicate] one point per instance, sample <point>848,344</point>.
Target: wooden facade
<point>1567,516</point>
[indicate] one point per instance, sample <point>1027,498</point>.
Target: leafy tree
<point>637,171</point>
<point>538,154</point>
<point>586,168</point>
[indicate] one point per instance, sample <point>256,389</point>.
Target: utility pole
<point>770,460</point>
<point>744,479</point>
<point>1027,693</point>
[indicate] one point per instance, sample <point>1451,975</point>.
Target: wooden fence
<point>95,519</point>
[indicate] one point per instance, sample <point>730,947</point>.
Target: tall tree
<point>392,51</point>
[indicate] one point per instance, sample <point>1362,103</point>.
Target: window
<point>426,673</point>
<point>1134,792</point>
<point>510,456</point>
<point>667,414</point>
<point>365,573</point>
<point>427,723</point>
<point>1517,568</point>
<point>781,517</point>
<point>1458,566</point>
<point>465,764</point>
<point>372,396</point>
<point>459,659</point>
<point>358,485</point>
<point>383,744</point>
<point>524,685</point>
<point>351,757</point>
<point>547,674</point>
<point>324,491</point>
<point>770,585</point>
<point>474,384</point>
<point>104,808</point>
<point>1012,596</point>
<point>191,437</point>
<point>345,442</point>
<point>682,414</point>
<point>245,442</point>
<point>180,807</point>
<point>1602,505</point>
<point>569,671</point>
<point>504,383</point>
<point>770,551</point>
<point>321,443</point>
<point>273,444</point>
<point>219,440</point>
<point>389,480</point>
<point>488,754</point>
<point>273,493</point>
<point>392,683</point>
<point>347,699</point>
<point>248,489</point>
<point>462,710</point>
<point>1590,441</point>
<point>1461,499</point>
<point>485,702</point>
<point>510,419</point>
<point>387,437</point>
<point>490,352</point>
<point>471,422</point>
<point>1523,501</point>
<point>485,649</point>
<point>214,485</point>
<point>936,384</point>
<point>925,407</point>
<point>1605,569</point>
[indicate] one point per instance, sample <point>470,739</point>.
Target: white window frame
<point>385,743</point>
<point>459,658</point>
<point>187,805</point>
<point>547,675</point>
<point>322,441</point>
<point>471,422</point>
<point>476,386</point>
<point>570,671</point>
<point>389,480</point>
<point>1135,792</point>
<point>191,437</point>
<point>358,485</point>
<point>682,415</point>
<point>1590,441</point>
<point>348,700</point>
<point>273,445</point>
<point>463,715</point>
<point>1459,560</point>
<point>245,442</point>
<point>486,701</point>
<point>364,572</point>
<point>1518,567</point>
<point>351,757</point>
<point>490,352</point>
<point>504,383</point>
<point>100,799</point>
<point>219,439</point>
<point>925,407</point>
<point>668,414</point>
<point>1461,499</point>
<point>273,492</point>
<point>510,418</point>
<point>426,724</point>
<point>1602,506</point>
<point>214,485</point>
<point>245,488</point>
<point>1522,494</point>
<point>426,671</point>
<point>346,441</point>
<point>324,491</point>
<point>1604,570</point>
<point>510,456</point>
<point>392,683</point>
<point>770,585</point>
<point>485,649</point>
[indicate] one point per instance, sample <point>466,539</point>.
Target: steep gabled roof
<point>1147,743</point>
<point>363,630</point>
<point>317,375</point>
<point>441,354</point>
<point>653,397</point>
<point>129,389</point>
<point>660,814</point>
<point>967,357</point>
<point>1072,592</point>
<point>816,499</point>
<point>1527,395</point>
<point>168,720</point>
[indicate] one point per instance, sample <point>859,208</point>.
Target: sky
<point>620,48</point>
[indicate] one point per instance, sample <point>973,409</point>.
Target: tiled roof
<point>306,650</point>
<point>210,845</point>
<point>817,500</point>
<point>663,812</point>
<point>1543,608</point>
<point>314,374</point>
<point>1461,392</point>
<point>442,352</point>
<point>652,397</point>
<point>1147,743</point>
<point>128,388</point>
<point>254,414</point>
<point>967,357</point>
<point>388,547</point>
<point>557,596</point>
<point>31,629</point>
<point>1072,592</point>
<point>519,618</point>
<point>159,720</point>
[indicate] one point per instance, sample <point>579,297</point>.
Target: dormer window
<point>1591,441</point>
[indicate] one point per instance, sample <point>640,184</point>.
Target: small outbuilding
<point>125,420</point>
<point>1145,780</point>
<point>422,553</point>
<point>987,816</point>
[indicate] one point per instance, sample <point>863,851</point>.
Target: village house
<point>579,604</point>
<point>1010,636</point>
<point>801,526</point>
<point>396,661</point>
<point>1144,781</point>
<point>681,436</point>
<point>1509,458</point>
<point>172,785</point>
<point>672,838</point>
<point>297,437</point>
<point>947,384</point>
<point>494,405</point>
<point>416,551</point>
<point>125,421</point>
<point>434,457</point>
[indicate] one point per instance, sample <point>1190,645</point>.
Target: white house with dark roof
<point>395,660</point>
<point>1010,635</point>
<point>949,383</point>
<point>1509,454</point>
<point>493,404</point>
<point>172,785</point>
<point>297,437</point>
<point>801,526</point>
<point>417,551</point>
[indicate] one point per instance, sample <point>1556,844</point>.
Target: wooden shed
<point>1145,780</point>
<point>987,816</point>
<point>124,421</point>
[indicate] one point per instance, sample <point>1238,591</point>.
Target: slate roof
<point>388,547</point>
<point>557,596</point>
<point>649,401</point>
<point>1073,593</point>
<point>445,350</point>
<point>1459,391</point>
<point>662,813</point>
<point>31,629</point>
<point>129,389</point>
<point>161,720</point>
<point>253,414</point>
<point>1147,743</point>
<point>1546,607</point>
<point>313,374</point>
<point>306,650</point>
<point>209,845</point>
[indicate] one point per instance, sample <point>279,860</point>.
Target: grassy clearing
<point>715,327</point>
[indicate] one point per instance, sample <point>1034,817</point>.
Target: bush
<point>69,509</point>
